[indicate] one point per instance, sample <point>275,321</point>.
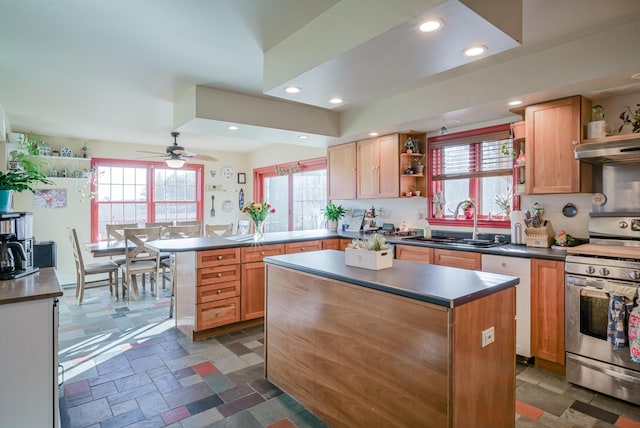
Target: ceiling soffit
<point>354,51</point>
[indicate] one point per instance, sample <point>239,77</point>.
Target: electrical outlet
<point>488,336</point>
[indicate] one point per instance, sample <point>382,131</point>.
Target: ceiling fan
<point>177,155</point>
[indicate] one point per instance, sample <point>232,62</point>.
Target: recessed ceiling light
<point>336,100</point>
<point>292,89</point>
<point>302,137</point>
<point>635,76</point>
<point>373,134</point>
<point>515,103</point>
<point>233,128</point>
<point>475,50</point>
<point>431,25</point>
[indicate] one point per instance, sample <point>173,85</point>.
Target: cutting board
<point>606,250</point>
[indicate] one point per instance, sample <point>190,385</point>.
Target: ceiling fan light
<point>175,163</point>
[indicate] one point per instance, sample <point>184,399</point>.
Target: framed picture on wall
<point>242,178</point>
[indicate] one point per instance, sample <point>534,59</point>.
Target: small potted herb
<point>333,213</point>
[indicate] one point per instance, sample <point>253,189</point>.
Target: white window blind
<point>470,157</point>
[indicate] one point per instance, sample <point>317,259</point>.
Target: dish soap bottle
<point>426,230</point>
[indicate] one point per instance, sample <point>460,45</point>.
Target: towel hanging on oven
<point>634,334</point>
<point>616,333</point>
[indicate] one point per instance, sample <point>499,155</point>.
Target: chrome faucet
<point>474,235</point>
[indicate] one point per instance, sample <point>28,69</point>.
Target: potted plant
<point>27,171</point>
<point>630,120</point>
<point>410,145</point>
<point>504,202</point>
<point>467,209</point>
<point>333,213</point>
<point>371,253</point>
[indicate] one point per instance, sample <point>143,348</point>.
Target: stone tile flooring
<point>127,365</point>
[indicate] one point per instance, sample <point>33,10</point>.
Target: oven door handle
<point>612,373</point>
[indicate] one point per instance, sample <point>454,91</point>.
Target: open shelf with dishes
<point>413,175</point>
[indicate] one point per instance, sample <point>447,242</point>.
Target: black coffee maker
<point>12,257</point>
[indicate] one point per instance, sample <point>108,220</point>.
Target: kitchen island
<point>219,282</point>
<point>395,347</point>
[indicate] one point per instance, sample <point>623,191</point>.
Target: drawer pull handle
<point>219,291</point>
<point>219,275</point>
<point>262,253</point>
<point>217,313</point>
<point>219,257</point>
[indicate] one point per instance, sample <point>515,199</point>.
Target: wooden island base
<point>359,357</point>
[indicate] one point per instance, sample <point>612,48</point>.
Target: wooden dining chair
<point>115,232</point>
<point>163,224</point>
<point>140,260</point>
<point>190,223</point>
<point>185,231</point>
<point>244,227</point>
<point>168,265</point>
<point>216,230</point>
<point>98,268</point>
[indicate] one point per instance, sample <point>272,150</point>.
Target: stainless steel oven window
<point>594,313</point>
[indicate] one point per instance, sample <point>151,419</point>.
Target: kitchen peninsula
<point>412,345</point>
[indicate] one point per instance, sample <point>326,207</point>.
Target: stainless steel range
<point>608,266</point>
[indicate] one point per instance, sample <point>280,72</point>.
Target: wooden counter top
<point>43,284</point>
<point>440,285</point>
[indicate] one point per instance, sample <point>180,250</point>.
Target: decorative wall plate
<point>227,173</point>
<point>66,152</point>
<point>241,199</point>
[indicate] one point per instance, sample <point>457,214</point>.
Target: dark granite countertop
<point>203,243</point>
<point>440,285</point>
<point>40,285</point>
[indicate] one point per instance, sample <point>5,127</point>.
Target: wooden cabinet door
<point>344,243</point>
<point>389,167</point>
<point>414,254</point>
<point>331,244</point>
<point>341,168</point>
<point>547,310</point>
<point>252,293</point>
<point>367,168</point>
<point>458,259</point>
<point>553,130</point>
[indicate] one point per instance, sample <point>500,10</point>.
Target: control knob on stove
<point>623,224</point>
<point>590,270</point>
<point>634,274</point>
<point>604,271</point>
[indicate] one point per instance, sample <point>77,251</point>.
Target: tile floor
<point>126,365</point>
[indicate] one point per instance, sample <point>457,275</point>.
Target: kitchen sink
<point>456,242</point>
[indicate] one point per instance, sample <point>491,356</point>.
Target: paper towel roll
<point>517,227</point>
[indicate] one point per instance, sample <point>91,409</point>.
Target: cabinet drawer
<point>227,256</point>
<point>459,259</point>
<point>218,274</point>
<point>331,244</point>
<point>302,247</point>
<point>255,254</point>
<point>414,254</point>
<point>215,314</point>
<point>506,265</point>
<point>221,291</point>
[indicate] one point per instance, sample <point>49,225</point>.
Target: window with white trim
<point>140,192</point>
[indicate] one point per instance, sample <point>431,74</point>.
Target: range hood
<point>619,148</point>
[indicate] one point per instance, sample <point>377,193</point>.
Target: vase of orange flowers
<point>258,213</point>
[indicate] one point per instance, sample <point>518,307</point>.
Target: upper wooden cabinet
<point>377,167</point>
<point>341,177</point>
<point>553,129</point>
